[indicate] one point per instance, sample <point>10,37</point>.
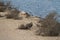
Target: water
<point>37,7</point>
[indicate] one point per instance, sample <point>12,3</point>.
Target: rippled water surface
<point>37,7</point>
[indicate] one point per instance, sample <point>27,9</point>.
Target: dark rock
<point>27,26</point>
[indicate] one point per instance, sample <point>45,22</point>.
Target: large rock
<point>3,14</point>
<point>24,14</point>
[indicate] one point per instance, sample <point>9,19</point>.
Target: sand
<point>9,31</point>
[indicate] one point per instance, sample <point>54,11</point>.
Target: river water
<point>37,7</point>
